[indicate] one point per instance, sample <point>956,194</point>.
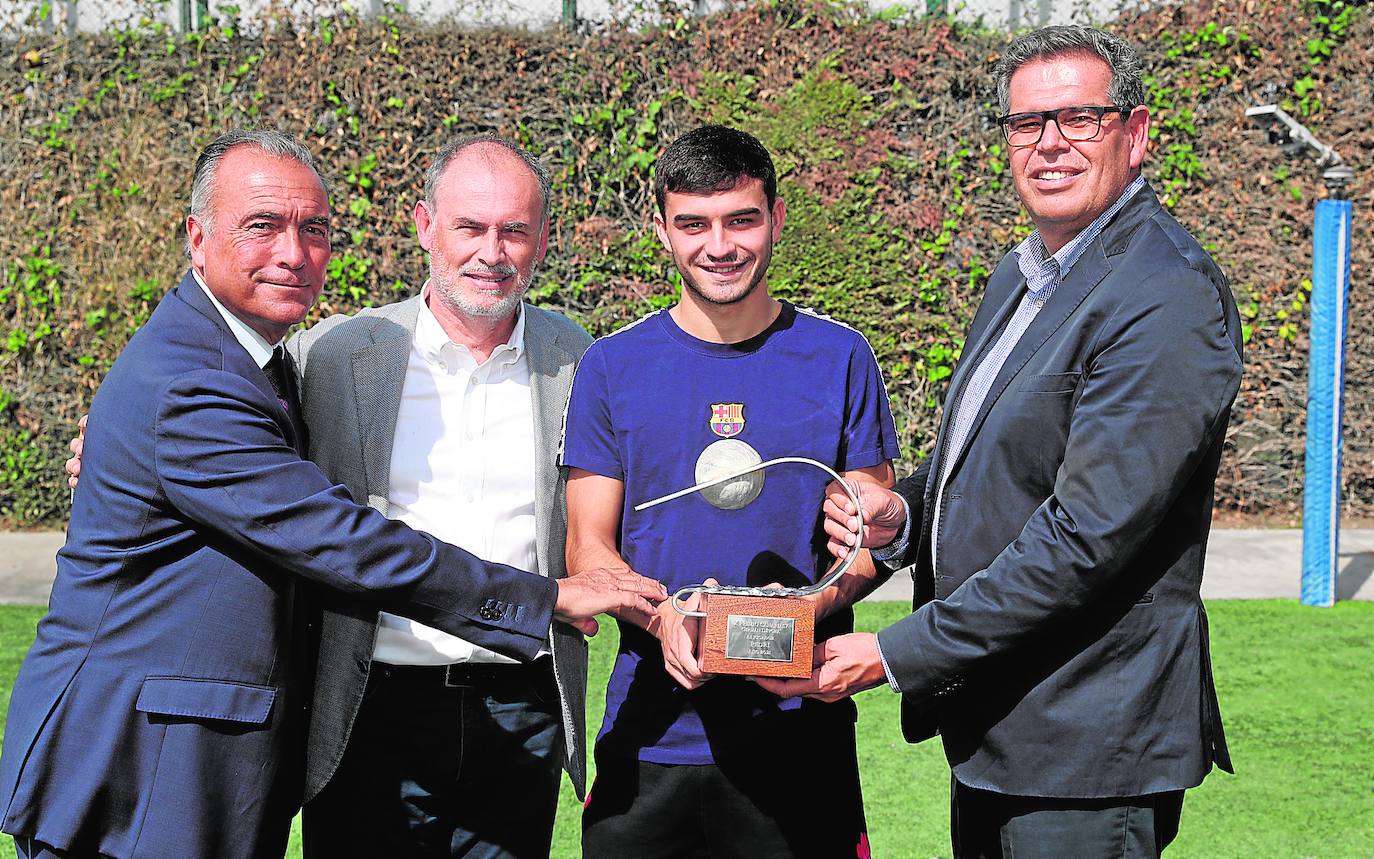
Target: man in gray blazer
<point>1059,642</point>
<point>444,411</point>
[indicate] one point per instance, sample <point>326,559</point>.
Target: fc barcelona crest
<point>727,419</point>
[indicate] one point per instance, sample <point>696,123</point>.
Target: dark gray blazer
<point>1061,646</point>
<point>353,369</point>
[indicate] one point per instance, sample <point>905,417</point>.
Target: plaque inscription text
<point>760,638</point>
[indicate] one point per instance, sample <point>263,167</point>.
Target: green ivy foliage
<point>898,188</point>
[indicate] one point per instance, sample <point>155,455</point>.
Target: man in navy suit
<point>1059,643</point>
<point>160,711</point>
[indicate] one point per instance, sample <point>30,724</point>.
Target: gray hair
<point>454,147</point>
<point>1127,90</point>
<point>203,180</point>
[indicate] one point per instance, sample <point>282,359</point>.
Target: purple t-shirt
<point>647,403</point>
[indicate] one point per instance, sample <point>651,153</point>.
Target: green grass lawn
<point>1297,695</point>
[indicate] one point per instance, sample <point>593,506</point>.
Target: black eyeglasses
<point>1075,123</point>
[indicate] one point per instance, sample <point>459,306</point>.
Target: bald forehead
<point>488,184</point>
<point>491,158</point>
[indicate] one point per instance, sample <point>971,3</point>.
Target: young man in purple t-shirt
<point>689,763</point>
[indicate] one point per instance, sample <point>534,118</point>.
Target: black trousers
<point>459,761</point>
<point>986,825</point>
<point>796,795</point>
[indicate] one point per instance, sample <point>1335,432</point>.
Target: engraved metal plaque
<point>767,639</point>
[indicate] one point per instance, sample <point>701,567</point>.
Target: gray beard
<point>442,277</point>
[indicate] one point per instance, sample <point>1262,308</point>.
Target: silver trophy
<point>756,630</point>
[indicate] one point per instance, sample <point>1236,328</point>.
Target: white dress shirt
<point>462,470</point>
<point>256,345</point>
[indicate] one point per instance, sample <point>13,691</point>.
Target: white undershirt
<point>462,470</point>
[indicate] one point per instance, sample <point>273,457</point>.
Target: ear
<point>661,229</point>
<point>195,240</point>
<point>1138,127</point>
<point>424,225</point>
<point>779,214</point>
<point>543,242</point>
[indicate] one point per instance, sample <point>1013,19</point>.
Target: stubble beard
<point>445,279</point>
<point>760,271</point>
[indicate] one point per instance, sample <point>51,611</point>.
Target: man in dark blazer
<point>1058,643</point>
<point>160,711</point>
<point>420,745</point>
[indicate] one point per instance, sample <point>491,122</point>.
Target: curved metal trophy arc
<point>825,582</point>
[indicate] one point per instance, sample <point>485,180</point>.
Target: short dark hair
<point>713,158</point>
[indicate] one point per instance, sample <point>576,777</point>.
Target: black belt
<point>464,675</point>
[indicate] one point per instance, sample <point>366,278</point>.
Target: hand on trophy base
<point>748,630</point>
<point>844,665</point>
<point>677,634</point>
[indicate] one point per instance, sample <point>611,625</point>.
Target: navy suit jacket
<point>1060,647</point>
<point>160,710</point>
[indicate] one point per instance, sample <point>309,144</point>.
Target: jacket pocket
<point>1050,383</point>
<point>206,699</point>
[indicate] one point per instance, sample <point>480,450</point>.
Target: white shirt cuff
<point>891,681</point>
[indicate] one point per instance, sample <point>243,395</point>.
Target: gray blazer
<point>352,371</point>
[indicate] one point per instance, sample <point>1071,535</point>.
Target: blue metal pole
<point>1325,396</point>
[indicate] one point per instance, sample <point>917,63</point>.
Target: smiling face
<point>485,232</point>
<point>1066,184</point>
<point>263,245</point>
<point>722,241</point>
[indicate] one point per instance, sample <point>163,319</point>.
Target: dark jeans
<point>986,825</point>
<point>433,770</point>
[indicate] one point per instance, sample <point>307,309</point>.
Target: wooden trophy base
<point>758,636</point>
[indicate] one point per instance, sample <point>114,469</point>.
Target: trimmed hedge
<point>899,200</point>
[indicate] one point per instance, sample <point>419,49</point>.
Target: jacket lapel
<point>1086,274</point>
<point>238,360</point>
<point>981,339</point>
<point>1005,277</point>
<point>379,372</point>
<point>551,371</point>
<point>1090,269</point>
